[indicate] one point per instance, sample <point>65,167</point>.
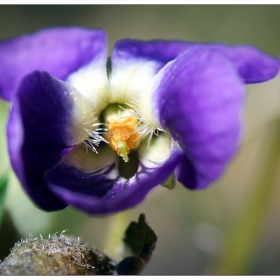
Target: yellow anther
<point>122,135</point>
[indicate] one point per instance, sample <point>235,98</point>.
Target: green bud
<point>170,182</point>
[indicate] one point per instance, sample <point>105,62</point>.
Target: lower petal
<point>84,171</point>
<point>99,189</point>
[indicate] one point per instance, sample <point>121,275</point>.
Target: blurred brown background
<point>190,225</point>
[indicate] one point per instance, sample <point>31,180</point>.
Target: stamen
<point>126,127</point>
<point>121,130</point>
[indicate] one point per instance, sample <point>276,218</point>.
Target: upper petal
<point>44,123</point>
<point>59,51</point>
<point>131,74</point>
<point>253,65</point>
<point>91,182</point>
<point>199,101</point>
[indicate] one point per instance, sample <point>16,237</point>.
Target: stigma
<point>122,135</point>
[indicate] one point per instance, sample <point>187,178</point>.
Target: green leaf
<point>3,189</point>
<point>141,240</point>
<point>170,182</point>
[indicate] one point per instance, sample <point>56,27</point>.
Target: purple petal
<point>199,101</point>
<point>40,131</point>
<point>131,74</point>
<point>59,51</point>
<point>158,50</point>
<point>101,190</point>
<point>84,171</point>
<point>253,65</point>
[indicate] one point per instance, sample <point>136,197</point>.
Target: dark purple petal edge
<point>59,51</point>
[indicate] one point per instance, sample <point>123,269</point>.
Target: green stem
<point>113,241</point>
<point>243,236</point>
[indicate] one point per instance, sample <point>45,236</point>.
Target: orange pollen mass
<point>123,130</point>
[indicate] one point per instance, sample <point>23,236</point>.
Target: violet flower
<point>176,106</point>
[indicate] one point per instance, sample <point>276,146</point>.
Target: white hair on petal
<point>144,129</point>
<point>93,129</point>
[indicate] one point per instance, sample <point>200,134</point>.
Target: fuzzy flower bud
<point>64,255</point>
<point>55,255</point>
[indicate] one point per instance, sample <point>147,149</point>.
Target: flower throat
<point>122,134</point>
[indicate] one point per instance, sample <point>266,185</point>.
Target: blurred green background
<point>191,226</point>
